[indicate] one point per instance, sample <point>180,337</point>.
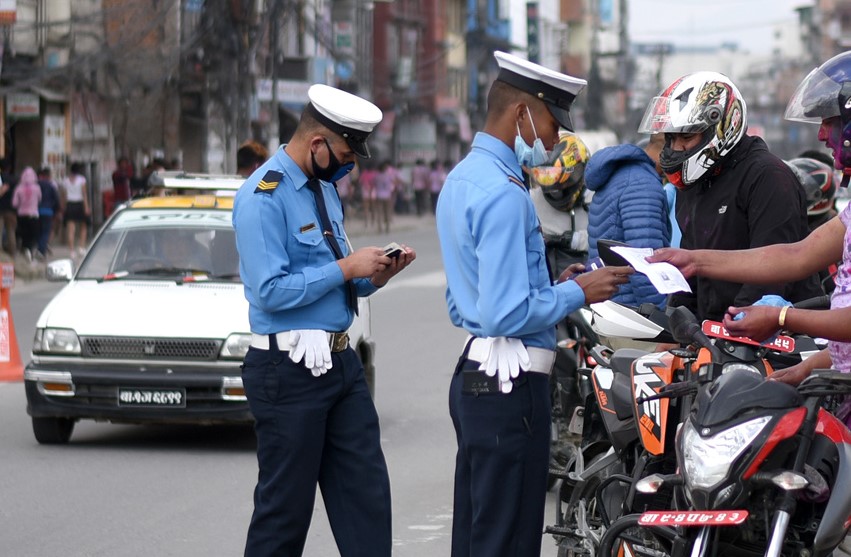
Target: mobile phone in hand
<point>393,250</point>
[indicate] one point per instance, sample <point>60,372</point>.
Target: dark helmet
<point>826,93</point>
<point>819,182</point>
<point>562,177</point>
<point>702,102</point>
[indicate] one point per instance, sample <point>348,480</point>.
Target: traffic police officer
<point>499,290</point>
<point>315,419</point>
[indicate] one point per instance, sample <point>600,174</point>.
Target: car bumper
<point>80,390</point>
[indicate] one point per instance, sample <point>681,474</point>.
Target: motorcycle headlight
<point>738,366</point>
<point>235,346</point>
<point>56,341</point>
<point>706,461</point>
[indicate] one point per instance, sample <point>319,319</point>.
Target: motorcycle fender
<point>650,374</point>
<point>837,515</point>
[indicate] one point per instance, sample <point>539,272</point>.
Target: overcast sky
<point>702,22</point>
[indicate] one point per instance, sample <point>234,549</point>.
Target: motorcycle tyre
<point>588,494</point>
<point>619,530</point>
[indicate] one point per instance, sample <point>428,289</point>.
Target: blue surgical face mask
<point>536,155</point>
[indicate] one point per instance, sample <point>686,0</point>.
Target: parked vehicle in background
<point>153,326</point>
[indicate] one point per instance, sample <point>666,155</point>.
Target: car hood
<point>149,308</point>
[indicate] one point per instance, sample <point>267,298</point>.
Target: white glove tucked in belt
<point>505,357</point>
<point>312,345</point>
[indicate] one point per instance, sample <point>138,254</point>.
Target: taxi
<point>153,325</point>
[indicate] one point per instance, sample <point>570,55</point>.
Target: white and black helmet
<point>702,102</point>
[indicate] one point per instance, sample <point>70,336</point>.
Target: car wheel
<point>53,431</point>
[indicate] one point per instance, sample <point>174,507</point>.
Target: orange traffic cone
<point>11,366</point>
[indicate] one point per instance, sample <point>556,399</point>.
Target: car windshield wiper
<point>118,275</point>
<point>171,271</point>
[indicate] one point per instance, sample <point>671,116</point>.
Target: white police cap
<point>345,114</point>
<point>556,89</point>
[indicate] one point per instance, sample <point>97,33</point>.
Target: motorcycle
<point>758,466</point>
<point>625,440</point>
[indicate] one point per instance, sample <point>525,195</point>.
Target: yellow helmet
<point>562,177</point>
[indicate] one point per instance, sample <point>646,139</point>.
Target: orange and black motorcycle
<point>639,399</point>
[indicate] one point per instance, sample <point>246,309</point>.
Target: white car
<point>153,326</point>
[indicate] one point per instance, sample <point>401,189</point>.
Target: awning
<point>49,94</point>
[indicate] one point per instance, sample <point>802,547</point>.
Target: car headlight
<point>707,461</point>
<point>235,346</point>
<point>56,341</point>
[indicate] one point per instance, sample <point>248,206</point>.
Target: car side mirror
<point>60,270</point>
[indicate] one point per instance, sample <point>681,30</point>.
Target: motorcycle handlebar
<point>818,302</point>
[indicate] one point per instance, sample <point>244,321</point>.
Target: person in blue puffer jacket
<point>629,205</point>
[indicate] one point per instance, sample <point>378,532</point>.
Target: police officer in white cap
<point>499,291</point>
<point>315,420</point>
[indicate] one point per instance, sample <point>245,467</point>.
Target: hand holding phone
<point>393,250</point>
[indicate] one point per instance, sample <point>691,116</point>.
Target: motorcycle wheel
<point>639,541</point>
<point>585,516</point>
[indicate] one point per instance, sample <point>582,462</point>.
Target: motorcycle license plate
<point>715,329</point>
<point>692,518</point>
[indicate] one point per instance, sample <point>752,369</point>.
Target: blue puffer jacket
<point>629,205</point>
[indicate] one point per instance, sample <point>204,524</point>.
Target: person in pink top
<point>436,177</point>
<point>366,182</point>
<point>419,181</point>
<point>385,188</point>
<point>25,201</point>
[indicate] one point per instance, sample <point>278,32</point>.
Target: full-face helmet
<point>819,182</point>
<point>562,177</point>
<point>703,102</point>
<point>826,93</point>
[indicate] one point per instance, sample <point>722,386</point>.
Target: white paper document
<point>665,277</point>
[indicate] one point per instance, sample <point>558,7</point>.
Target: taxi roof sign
<point>181,180</point>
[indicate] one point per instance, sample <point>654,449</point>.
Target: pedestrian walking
<point>25,202</point>
<point>419,182</point>
<point>77,212</point>
<point>47,209</point>
<point>499,291</point>
<point>314,418</point>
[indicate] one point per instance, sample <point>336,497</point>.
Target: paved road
<point>120,490</point>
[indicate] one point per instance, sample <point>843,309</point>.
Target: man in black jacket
<point>732,192</point>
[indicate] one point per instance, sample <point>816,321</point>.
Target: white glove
<point>312,345</point>
<point>505,357</point>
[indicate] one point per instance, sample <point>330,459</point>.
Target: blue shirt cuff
<point>570,295</point>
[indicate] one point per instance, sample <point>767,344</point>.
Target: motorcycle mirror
<point>683,325</point>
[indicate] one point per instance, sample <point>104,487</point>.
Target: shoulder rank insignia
<point>515,181</point>
<point>269,182</point>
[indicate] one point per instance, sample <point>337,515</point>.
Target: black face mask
<point>335,169</point>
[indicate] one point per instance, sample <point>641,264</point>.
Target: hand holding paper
<point>665,277</point>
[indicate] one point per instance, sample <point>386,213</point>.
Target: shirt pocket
<point>312,248</point>
<point>536,259</point>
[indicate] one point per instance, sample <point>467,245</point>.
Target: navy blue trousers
<point>501,467</point>
<point>316,430</point>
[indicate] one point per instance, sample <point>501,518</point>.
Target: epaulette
<point>516,181</point>
<point>269,182</point>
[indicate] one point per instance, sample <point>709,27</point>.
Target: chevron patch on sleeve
<point>269,182</point>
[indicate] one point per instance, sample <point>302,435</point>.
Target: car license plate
<point>692,518</point>
<point>175,398</point>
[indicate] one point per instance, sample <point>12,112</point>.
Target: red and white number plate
<point>692,518</point>
<point>715,329</point>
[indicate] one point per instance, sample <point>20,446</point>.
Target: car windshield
<point>160,244</point>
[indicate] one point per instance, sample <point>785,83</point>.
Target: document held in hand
<point>665,277</point>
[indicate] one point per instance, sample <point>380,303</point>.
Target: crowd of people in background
<point>377,190</point>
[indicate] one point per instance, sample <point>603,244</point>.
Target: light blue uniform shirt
<point>493,251</point>
<point>291,277</point>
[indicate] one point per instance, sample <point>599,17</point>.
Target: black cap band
<point>355,138</point>
<point>543,91</point>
